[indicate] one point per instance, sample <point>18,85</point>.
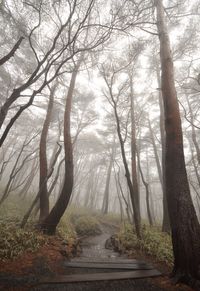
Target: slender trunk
<point>119,197</point>
<point>35,201</point>
<point>56,178</point>
<point>184,223</point>
<point>44,199</point>
<point>104,209</point>
<point>127,173</point>
<point>124,198</point>
<point>146,185</point>
<point>166,222</point>
<point>53,161</point>
<point>133,151</point>
<point>51,221</point>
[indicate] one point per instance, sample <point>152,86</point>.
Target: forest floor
<point>24,272</point>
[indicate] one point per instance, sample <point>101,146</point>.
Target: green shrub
<point>87,225</point>
<point>67,230</point>
<point>14,241</point>
<point>157,244</point>
<point>128,239</point>
<point>153,242</point>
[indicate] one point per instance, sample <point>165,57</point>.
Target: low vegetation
<point>153,243</point>
<point>85,222</point>
<point>15,241</point>
<point>87,225</point>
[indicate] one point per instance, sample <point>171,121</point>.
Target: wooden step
<point>100,277</point>
<point>114,260</point>
<point>108,265</point>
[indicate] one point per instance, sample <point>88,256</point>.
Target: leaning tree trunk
<point>184,224</point>
<point>50,223</point>
<point>44,199</point>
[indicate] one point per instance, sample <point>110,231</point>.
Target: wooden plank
<point>121,261</point>
<point>75,278</point>
<point>108,266</point>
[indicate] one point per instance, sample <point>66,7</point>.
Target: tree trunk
<point>133,151</point>
<point>104,209</point>
<point>44,199</point>
<point>146,185</point>
<point>184,223</point>
<point>51,221</point>
<point>119,197</point>
<point>165,223</point>
<point>36,199</point>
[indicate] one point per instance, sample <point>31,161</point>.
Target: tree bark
<point>133,151</point>
<point>165,222</point>
<point>44,198</point>
<point>184,224</point>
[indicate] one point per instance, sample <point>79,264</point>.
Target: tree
<point>134,146</point>
<point>53,60</point>
<point>44,199</point>
<point>50,223</point>
<point>108,177</point>
<point>110,77</point>
<point>184,224</point>
<point>165,224</point>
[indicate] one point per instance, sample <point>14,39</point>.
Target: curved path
<point>94,251</point>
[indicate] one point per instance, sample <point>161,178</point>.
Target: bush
<point>86,225</point>
<point>153,242</point>
<point>14,241</point>
<point>127,238</point>
<point>67,230</point>
<point>157,244</point>
<point>111,218</point>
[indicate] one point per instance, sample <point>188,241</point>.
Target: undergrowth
<point>15,241</point>
<point>67,230</point>
<point>154,243</point>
